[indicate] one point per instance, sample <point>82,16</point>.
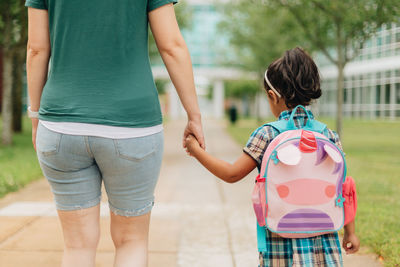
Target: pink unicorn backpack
<point>298,192</point>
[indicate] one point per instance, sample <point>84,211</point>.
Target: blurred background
<point>356,45</point>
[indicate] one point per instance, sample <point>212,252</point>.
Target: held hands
<point>351,244</point>
<point>192,145</point>
<point>195,129</point>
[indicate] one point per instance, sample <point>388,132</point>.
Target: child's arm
<point>351,244</point>
<point>228,172</point>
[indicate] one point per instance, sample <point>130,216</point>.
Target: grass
<point>18,163</point>
<point>373,156</point>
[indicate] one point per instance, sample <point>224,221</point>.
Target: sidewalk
<point>197,221</point>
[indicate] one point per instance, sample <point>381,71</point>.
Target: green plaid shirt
<point>263,136</point>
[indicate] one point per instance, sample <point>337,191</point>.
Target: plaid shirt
<point>323,250</point>
<point>263,136</point>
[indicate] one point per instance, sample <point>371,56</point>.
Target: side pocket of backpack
<point>258,199</point>
<point>350,204</point>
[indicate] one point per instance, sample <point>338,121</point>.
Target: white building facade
<point>372,80</point>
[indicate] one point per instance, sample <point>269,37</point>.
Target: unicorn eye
<point>289,155</point>
<point>333,154</point>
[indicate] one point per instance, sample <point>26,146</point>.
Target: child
<point>289,81</point>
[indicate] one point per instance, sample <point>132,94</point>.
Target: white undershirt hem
<point>89,129</point>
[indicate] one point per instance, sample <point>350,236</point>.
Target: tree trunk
<point>340,89</point>
<point>7,98</point>
<point>18,85</point>
<point>18,71</point>
<point>340,78</point>
<point>6,112</point>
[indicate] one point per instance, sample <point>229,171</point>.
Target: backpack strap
<point>286,125</point>
<point>280,126</point>
<point>261,239</point>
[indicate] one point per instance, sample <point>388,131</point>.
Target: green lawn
<point>373,156</point>
<point>18,163</point>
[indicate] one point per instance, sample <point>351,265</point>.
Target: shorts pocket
<point>47,141</point>
<point>135,149</point>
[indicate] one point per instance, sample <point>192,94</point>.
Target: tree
<point>18,67</point>
<point>339,29</point>
<point>258,34</point>
<point>10,35</point>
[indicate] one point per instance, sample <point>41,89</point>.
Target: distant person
<point>290,81</point>
<point>233,116</point>
<point>96,115</point>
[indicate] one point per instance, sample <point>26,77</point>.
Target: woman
<point>96,117</point>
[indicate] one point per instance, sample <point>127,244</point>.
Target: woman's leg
<point>130,236</point>
<point>81,236</point>
<point>130,169</point>
<point>67,163</point>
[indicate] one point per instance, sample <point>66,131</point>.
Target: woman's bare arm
<point>37,59</point>
<point>175,55</point>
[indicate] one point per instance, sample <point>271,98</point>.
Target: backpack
<point>298,192</point>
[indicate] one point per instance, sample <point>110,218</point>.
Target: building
<point>372,80</point>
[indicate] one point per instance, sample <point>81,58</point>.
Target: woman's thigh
<point>69,167</point>
<point>130,169</point>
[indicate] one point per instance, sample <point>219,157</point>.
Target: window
<point>398,37</point>
<point>387,93</point>
<point>378,94</point>
<point>397,98</point>
<point>366,98</point>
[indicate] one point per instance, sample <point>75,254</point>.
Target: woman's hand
<point>191,145</point>
<point>195,129</point>
<point>351,244</point>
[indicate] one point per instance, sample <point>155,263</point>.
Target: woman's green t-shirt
<point>99,66</point>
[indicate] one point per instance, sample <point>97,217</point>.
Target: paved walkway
<point>197,221</point>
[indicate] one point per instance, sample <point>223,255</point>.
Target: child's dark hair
<point>295,76</point>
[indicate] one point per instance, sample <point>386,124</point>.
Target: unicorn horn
<point>308,143</point>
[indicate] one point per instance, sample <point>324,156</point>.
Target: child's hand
<point>191,144</point>
<point>351,244</point>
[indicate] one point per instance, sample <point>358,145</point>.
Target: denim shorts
<point>76,166</point>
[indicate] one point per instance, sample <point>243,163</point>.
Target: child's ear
<point>273,96</point>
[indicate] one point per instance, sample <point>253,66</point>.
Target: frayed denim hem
<point>89,204</point>
<point>130,213</point>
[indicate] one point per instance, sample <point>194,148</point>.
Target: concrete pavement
<point>197,220</point>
